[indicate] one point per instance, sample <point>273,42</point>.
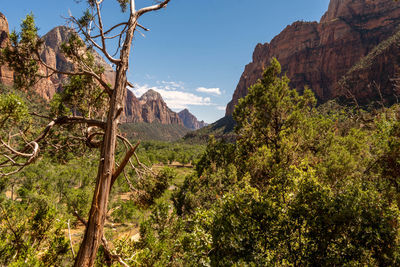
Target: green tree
<point>269,120</point>
<point>31,235</point>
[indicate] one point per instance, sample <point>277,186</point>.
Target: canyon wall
<point>352,51</point>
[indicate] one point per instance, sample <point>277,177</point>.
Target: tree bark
<point>97,215</point>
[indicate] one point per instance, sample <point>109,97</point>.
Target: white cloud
<point>139,90</point>
<point>174,98</point>
<point>171,85</point>
<point>213,91</point>
<point>221,107</point>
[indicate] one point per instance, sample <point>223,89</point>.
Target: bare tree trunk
<point>106,173</point>
<point>94,230</point>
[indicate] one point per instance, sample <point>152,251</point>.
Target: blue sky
<point>195,51</point>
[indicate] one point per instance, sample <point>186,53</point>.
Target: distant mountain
<point>154,109</point>
<point>352,51</point>
<point>149,108</point>
<point>190,121</point>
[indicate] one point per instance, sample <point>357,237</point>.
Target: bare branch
<point>103,41</point>
<point>110,255</point>
<point>70,240</point>
<point>125,161</point>
<point>152,8</point>
<point>131,187</point>
<point>35,146</point>
<point>106,87</point>
<point>21,154</point>
<point>69,120</point>
<point>111,29</point>
<point>133,7</point>
<point>31,157</point>
<point>83,221</point>
<point>143,28</point>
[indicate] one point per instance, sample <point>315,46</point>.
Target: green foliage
<point>218,153</point>
<point>81,95</point>
<point>244,229</point>
<point>300,187</point>
<point>157,246</point>
<point>353,226</point>
<point>13,110</point>
<point>85,20</point>
<point>202,191</point>
<point>153,131</point>
<point>270,121</point>
<point>314,226</point>
<point>390,162</point>
<point>155,152</point>
<point>151,187</point>
<point>123,4</point>
<point>271,111</point>
<point>20,56</point>
<point>31,235</point>
<point>124,211</point>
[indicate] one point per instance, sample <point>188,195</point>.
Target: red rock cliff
<point>353,48</point>
<point>150,107</point>
<point>6,75</point>
<point>154,109</point>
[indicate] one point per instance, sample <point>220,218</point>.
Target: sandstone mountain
<point>6,75</point>
<point>190,121</point>
<point>149,108</point>
<point>53,56</point>
<point>155,109</point>
<point>351,52</point>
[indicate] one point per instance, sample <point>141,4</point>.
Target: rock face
<point>190,121</point>
<point>351,51</point>
<point>150,107</point>
<point>133,109</point>
<point>6,75</point>
<point>53,56</point>
<point>47,87</point>
<point>155,109</point>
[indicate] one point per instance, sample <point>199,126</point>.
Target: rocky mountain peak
<point>150,107</point>
<point>58,35</point>
<point>190,121</point>
<point>151,95</point>
<point>339,9</point>
<point>3,23</point>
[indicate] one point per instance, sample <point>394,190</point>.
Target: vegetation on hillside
<point>302,185</point>
<point>153,131</point>
<point>221,129</point>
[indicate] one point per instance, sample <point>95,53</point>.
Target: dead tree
<point>96,35</point>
